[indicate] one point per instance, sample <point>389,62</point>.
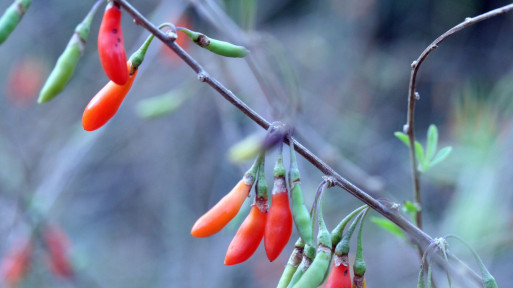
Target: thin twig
<point>218,18</point>
<point>418,236</point>
<point>409,128</point>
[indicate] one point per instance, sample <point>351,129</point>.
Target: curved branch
<point>409,127</point>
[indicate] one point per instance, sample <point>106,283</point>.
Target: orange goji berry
<point>228,207</point>
<point>224,211</point>
<point>251,231</point>
<point>106,103</point>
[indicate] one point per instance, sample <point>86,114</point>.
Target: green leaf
<point>441,155</point>
<point>248,14</point>
<point>432,142</point>
<point>411,209</point>
<point>419,152</point>
<point>246,149</point>
<point>388,226</point>
<point>159,106</point>
<point>403,137</point>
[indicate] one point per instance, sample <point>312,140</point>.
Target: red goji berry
<point>248,237</point>
<point>58,248</point>
<point>340,276</point>
<point>279,220</point>
<point>111,47</point>
<point>279,226</point>
<point>251,232</point>
<point>16,263</point>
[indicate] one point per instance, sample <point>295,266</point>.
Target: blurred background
<point>125,196</point>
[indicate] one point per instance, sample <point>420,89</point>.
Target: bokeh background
<point>127,194</point>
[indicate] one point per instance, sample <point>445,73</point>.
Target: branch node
<point>417,96</point>
<point>468,19</point>
<point>406,129</point>
<point>171,35</point>
<point>202,76</point>
<point>414,64</point>
<point>330,180</point>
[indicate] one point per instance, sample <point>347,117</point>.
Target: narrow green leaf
<point>419,152</point>
<point>158,106</point>
<point>247,148</point>
<point>248,10</point>
<point>388,226</point>
<point>411,209</point>
<point>403,137</point>
<point>432,142</point>
<point>441,155</point>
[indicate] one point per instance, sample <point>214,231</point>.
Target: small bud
<point>406,128</point>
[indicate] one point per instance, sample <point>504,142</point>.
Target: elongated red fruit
<point>279,225</point>
<point>58,246</point>
<point>248,237</point>
<point>339,277</point>
<point>224,211</point>
<point>111,46</point>
<point>15,264</point>
<point>106,102</point>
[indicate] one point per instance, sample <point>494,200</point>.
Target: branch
<point>418,236</point>
<point>413,97</point>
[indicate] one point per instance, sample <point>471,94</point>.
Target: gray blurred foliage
<point>128,194</point>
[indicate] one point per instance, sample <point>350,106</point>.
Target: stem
<point>416,235</point>
<point>409,128</point>
<point>413,97</point>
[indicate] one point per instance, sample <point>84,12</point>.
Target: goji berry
<point>224,211</point>
<point>58,247</point>
<point>251,231</point>
<point>279,220</point>
<point>111,47</point>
